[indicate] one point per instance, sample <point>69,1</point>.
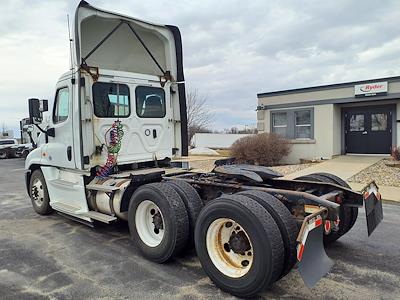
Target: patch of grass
<point>224,152</point>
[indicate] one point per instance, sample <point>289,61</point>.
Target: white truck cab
<point>124,71</point>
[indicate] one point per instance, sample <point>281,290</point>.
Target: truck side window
<point>150,102</point>
<point>111,100</point>
<point>61,106</point>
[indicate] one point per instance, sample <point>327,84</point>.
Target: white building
<point>322,121</point>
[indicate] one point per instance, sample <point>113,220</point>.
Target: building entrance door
<point>368,129</point>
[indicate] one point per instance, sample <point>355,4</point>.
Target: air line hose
<point>113,140</point>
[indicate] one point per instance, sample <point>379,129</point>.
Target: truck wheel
<point>158,221</point>
<point>39,194</point>
<point>239,245</point>
<point>345,214</point>
<point>3,154</point>
<point>341,182</point>
<point>193,205</point>
<point>25,154</point>
<point>13,153</point>
<point>286,224</point>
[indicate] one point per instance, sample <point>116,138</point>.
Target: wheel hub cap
<point>239,243</point>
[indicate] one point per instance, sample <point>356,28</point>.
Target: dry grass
<point>224,152</point>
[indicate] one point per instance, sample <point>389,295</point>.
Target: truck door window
<point>150,102</point>
<point>111,100</point>
<point>61,106</point>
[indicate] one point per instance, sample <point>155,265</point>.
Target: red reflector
<point>299,256</point>
<point>327,226</point>
<point>318,222</point>
<point>366,194</point>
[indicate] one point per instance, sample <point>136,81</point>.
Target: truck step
<point>102,188</point>
<point>99,216</point>
<point>64,208</point>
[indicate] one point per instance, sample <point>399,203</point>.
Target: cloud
<point>232,49</point>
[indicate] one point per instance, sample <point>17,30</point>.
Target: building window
<point>379,122</point>
<point>303,124</point>
<point>111,100</point>
<point>357,123</point>
<point>150,102</point>
<point>279,124</point>
<point>293,123</point>
<point>61,106</point>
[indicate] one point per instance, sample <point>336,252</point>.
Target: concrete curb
<point>389,193</point>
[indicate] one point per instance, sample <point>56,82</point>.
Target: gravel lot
<point>380,172</point>
<point>51,257</point>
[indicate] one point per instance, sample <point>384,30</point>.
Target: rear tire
<point>3,154</point>
<point>158,221</point>
<point>345,213</point>
<point>193,205</point>
<point>286,223</point>
<point>239,245</point>
<point>39,193</point>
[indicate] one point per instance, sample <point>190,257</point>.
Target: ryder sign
<point>371,89</point>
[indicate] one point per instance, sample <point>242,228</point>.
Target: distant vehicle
<point>21,150</point>
<point>6,147</point>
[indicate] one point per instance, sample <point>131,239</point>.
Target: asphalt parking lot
<point>56,258</point>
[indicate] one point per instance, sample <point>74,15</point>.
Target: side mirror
<point>36,109</point>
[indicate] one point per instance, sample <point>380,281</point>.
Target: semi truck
<point>116,148</point>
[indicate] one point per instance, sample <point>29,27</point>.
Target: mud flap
<point>373,207</point>
<point>313,261</point>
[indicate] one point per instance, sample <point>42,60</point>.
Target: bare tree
<point>198,114</point>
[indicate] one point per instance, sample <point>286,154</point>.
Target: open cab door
<point>129,71</point>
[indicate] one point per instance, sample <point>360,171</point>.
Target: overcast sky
<point>232,49</point>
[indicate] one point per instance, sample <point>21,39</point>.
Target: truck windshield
<point>111,100</point>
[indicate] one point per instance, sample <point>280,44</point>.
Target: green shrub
<point>265,149</point>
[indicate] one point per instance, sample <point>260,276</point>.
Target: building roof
<point>326,87</point>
